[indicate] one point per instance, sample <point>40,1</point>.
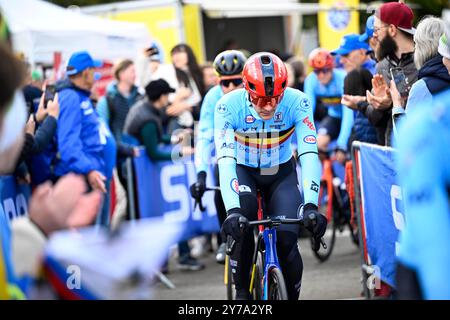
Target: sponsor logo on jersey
<point>250,119</point>
<point>310,139</point>
<point>235,185</point>
<point>278,117</point>
<point>305,104</point>
<point>314,186</point>
<point>244,188</point>
<point>221,108</point>
<point>229,145</point>
<point>309,124</point>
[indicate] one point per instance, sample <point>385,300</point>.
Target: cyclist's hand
<point>198,189</point>
<point>234,225</point>
<point>313,221</point>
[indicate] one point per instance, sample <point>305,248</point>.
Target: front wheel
<point>276,285</point>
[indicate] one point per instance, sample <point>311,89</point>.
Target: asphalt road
<point>337,278</point>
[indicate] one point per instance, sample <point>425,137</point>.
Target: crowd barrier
<point>13,198</point>
<point>161,189</point>
<point>379,208</point>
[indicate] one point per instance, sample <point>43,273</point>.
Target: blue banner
<point>163,190</point>
<point>383,208</point>
<point>13,198</point>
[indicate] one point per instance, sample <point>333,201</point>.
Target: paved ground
<point>337,278</point>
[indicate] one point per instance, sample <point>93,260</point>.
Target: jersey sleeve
<point>224,124</point>
<point>307,149</point>
<point>205,136</point>
<point>309,85</point>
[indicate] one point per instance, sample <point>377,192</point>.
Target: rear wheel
<point>276,285</point>
<point>330,234</point>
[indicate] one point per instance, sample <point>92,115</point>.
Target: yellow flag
<point>337,22</point>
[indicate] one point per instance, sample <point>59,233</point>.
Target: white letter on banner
<point>174,193</point>
<point>399,221</point>
<point>74,279</point>
<point>21,205</point>
<point>10,208</point>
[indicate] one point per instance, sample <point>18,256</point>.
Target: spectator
<point>359,67</point>
<point>186,77</point>
<point>299,74</point>
<point>210,77</point>
<point>80,149</point>
<point>145,124</point>
<point>394,31</point>
<point>368,36</point>
<point>433,76</point>
<point>114,107</point>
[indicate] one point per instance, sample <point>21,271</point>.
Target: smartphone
<point>50,91</point>
<point>400,80</point>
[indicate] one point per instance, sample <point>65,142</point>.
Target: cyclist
<point>254,128</point>
<point>423,165</point>
<point>326,86</point>
<point>228,65</point>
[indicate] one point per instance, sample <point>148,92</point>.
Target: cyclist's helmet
<point>321,59</point>
<point>229,63</point>
<point>265,78</point>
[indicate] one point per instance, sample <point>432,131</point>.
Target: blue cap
<point>80,61</point>
<point>369,29</point>
<point>349,43</point>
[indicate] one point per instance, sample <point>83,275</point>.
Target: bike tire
<point>276,285</point>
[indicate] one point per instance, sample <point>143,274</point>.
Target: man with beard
<point>394,32</point>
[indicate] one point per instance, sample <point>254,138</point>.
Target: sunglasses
<point>324,70</point>
<point>226,83</point>
<point>264,101</point>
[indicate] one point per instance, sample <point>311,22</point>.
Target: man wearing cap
<point>80,144</point>
<point>367,36</point>
<point>144,121</point>
<point>355,59</point>
<point>394,32</point>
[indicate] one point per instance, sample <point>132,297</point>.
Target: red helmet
<point>321,59</point>
<point>265,78</point>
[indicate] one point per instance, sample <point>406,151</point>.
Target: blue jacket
<point>80,147</point>
<point>433,78</point>
<point>363,129</point>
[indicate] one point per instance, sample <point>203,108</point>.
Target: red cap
<point>398,14</point>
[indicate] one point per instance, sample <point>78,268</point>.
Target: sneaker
<point>220,256</point>
<point>190,264</point>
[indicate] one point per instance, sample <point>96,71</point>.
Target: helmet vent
<point>268,86</point>
<point>252,86</point>
<point>265,60</point>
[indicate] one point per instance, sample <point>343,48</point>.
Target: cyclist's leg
<point>284,200</point>
<point>241,259</point>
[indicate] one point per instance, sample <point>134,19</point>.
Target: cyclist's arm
<point>309,89</point>
<point>205,135</point>
<point>346,127</point>
<point>308,154</point>
<point>226,157</point>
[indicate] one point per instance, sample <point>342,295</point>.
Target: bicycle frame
<point>327,176</point>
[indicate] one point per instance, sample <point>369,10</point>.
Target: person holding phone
<point>393,30</point>
<point>433,76</point>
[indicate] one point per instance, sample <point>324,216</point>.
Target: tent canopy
<point>39,29</point>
